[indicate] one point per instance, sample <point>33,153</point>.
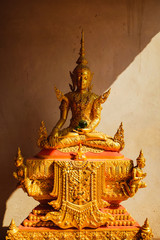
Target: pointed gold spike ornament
<point>80,154</point>
<point>19,154</point>
<point>12,227</point>
<point>80,176</point>
<point>141,157</point>
<point>119,136</point>
<point>42,140</point>
<point>81,59</point>
<point>146,231</point>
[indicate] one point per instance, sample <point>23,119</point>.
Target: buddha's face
<point>83,79</point>
<point>141,164</point>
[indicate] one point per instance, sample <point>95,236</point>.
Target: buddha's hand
<point>55,132</point>
<point>53,137</point>
<point>85,130</point>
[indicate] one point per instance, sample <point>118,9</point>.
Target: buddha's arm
<point>134,174</point>
<point>97,109</point>
<point>96,117</point>
<point>144,175</point>
<point>64,107</point>
<point>96,112</point>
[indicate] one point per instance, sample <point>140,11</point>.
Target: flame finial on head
<point>81,59</point>
<point>19,154</point>
<point>81,65</point>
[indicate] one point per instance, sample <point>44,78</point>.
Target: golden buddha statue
<point>86,114</point>
<point>80,177</point>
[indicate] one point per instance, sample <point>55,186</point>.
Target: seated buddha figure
<point>86,113</point>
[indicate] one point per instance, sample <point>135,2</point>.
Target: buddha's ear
<point>72,87</point>
<point>90,87</point>
<point>71,75</point>
<point>92,75</point>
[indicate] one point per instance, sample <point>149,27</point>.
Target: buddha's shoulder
<point>94,95</point>
<point>71,95</point>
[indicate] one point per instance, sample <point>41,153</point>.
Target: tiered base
<point>124,227</point>
<point>114,233</point>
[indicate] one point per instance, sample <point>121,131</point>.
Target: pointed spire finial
<point>12,227</point>
<point>146,223</point>
<point>141,156</point>
<point>146,228</point>
<point>80,154</point>
<point>19,158</point>
<point>81,59</point>
<point>19,154</point>
<point>42,140</point>
<point>82,51</point>
<point>119,136</point>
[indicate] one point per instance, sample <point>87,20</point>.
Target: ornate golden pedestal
<point>79,198</point>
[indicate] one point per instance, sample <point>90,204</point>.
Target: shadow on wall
<point>39,44</point>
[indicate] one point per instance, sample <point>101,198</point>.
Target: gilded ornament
<point>42,140</point>
<point>130,187</point>
<point>80,154</point>
<point>20,173</point>
<point>76,191</point>
<point>12,227</point>
<point>146,231</point>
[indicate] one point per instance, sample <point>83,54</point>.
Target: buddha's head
<point>82,78</point>
<point>81,75</point>
<point>141,164</point>
<point>141,161</point>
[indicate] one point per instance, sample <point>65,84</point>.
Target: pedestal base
<point>83,198</point>
<point>124,227</point>
<point>108,233</point>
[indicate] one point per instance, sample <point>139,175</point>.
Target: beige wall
<point>39,45</point>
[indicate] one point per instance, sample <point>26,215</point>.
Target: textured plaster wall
<point>39,45</point>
